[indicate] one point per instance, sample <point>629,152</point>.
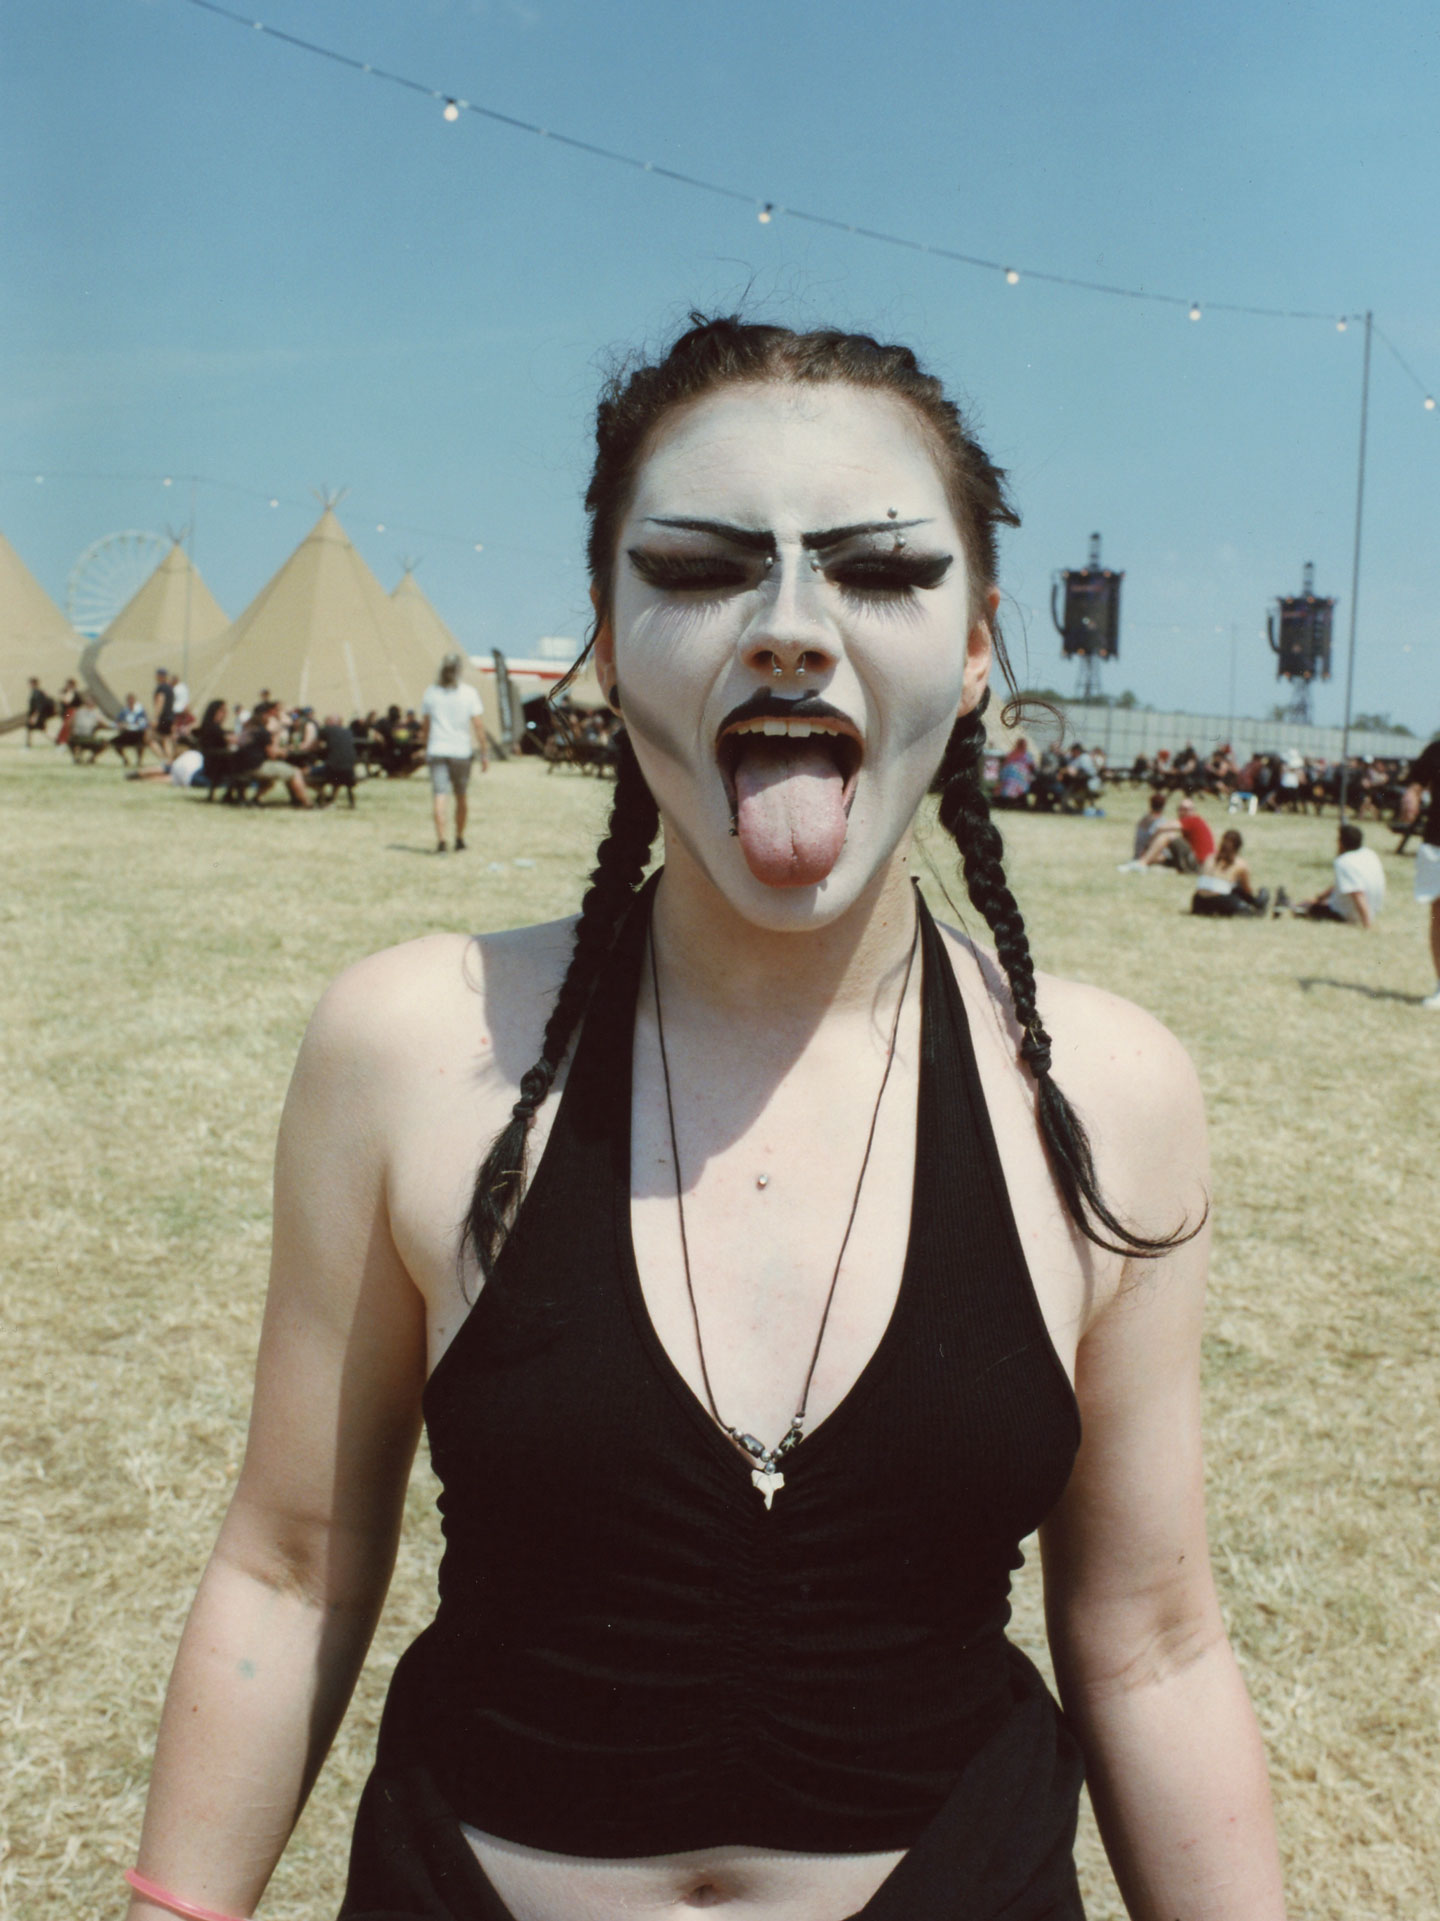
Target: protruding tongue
<point>790,810</point>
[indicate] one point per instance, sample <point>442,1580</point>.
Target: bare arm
<point>1362,907</point>
<point>477,722</point>
<point>287,1605</point>
<point>1175,1766</point>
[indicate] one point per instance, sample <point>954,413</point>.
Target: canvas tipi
<point>322,634</point>
<point>35,637</point>
<point>430,634</point>
<point>167,622</point>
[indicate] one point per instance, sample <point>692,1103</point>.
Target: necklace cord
<point>675,1159</point>
<point>864,1166</point>
<point>797,1423</point>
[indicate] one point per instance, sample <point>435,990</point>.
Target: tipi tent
<point>168,622</point>
<point>433,638</point>
<point>429,633</point>
<point>35,637</point>
<point>322,634</point>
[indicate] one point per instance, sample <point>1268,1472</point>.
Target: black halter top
<point>631,1655</point>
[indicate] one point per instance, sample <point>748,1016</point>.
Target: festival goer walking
<point>1425,774</point>
<point>452,729</point>
<point>788,1283</point>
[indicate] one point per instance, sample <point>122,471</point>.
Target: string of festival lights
<point>453,105</point>
<point>274,500</point>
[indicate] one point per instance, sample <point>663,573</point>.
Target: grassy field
<point>159,961</point>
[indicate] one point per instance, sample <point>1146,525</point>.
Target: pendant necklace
<point>765,1461</point>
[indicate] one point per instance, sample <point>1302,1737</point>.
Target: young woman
<point>787,1291</point>
<point>1230,889</point>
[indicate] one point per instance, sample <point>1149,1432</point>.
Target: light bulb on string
<point>274,503</point>
<point>452,111</point>
<point>1194,309</point>
<point>380,526</point>
<point>167,482</point>
<point>766,213</point>
<point>1341,325</point>
<point>1429,403</point>
<point>479,546</point>
<point>1013,276</point>
<point>39,480</point>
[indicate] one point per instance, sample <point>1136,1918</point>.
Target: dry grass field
<point>159,961</point>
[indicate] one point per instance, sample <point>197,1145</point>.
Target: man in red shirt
<point>1185,842</point>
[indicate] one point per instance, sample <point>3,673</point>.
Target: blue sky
<point>227,257</point>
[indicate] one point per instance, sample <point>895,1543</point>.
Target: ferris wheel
<point>109,573</point>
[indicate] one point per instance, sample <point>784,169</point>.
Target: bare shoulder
<point>441,997</point>
<point>1130,1080</point>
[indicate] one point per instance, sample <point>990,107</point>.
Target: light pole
<point>1355,573</point>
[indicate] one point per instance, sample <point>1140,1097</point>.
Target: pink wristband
<point>149,1891</point>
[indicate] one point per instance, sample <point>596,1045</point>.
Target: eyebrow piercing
<point>890,513</point>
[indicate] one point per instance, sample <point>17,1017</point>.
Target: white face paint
<point>789,542</point>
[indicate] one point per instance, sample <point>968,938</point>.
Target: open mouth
<point>790,771</point>
<point>776,740</point>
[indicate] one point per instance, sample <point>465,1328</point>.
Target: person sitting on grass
<point>1186,843</point>
<point>39,710</point>
<point>1230,889</point>
<point>90,732</point>
<point>1146,828</point>
<point>1357,892</point>
<point>1017,775</point>
<point>134,728</point>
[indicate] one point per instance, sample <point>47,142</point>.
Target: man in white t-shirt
<point>453,726</point>
<point>1357,893</point>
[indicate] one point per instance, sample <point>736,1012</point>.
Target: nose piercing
<point>777,670</point>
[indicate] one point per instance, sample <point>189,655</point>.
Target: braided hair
<point>965,815</point>
<point>619,869</point>
<point>640,395</point>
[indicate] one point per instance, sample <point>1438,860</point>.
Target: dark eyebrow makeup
<point>764,542</point>
<point>832,536</point>
<point>746,537</point>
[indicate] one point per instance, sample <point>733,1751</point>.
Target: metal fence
<point>1124,732</point>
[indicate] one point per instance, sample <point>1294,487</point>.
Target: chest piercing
<point>762,1180</point>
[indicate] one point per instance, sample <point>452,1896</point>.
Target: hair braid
<point>619,869</point>
<point>965,816</point>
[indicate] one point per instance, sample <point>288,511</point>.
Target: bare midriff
<point>752,1884</point>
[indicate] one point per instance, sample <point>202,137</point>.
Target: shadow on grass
<point>408,847</point>
<point>1358,987</point>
